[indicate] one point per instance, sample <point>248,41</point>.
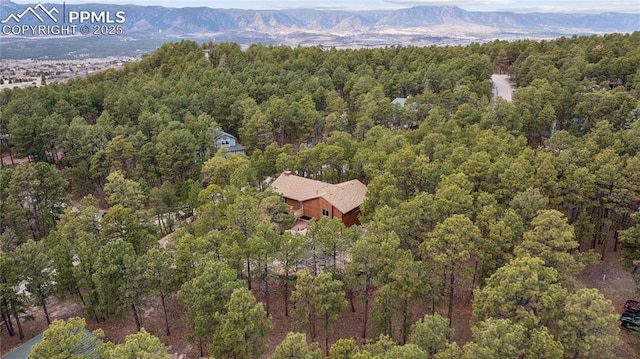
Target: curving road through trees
<point>502,86</point>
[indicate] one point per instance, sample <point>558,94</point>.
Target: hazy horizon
<point>562,6</point>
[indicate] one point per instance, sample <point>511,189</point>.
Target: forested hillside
<point>466,192</point>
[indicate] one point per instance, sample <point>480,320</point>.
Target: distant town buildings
<point>17,73</point>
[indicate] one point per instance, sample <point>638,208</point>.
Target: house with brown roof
<point>316,199</point>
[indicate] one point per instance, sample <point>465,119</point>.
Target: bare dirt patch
<point>349,325</point>
<point>115,331</point>
<point>9,160</point>
<point>34,322</point>
<point>617,285</point>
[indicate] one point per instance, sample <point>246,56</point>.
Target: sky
<point>572,6</point>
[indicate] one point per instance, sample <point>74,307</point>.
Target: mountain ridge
<point>418,25</point>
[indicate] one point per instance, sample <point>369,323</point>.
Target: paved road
<point>502,86</point>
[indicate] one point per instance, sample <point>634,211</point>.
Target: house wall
<point>226,141</point>
<point>351,218</point>
<point>337,214</point>
<point>313,208</point>
<point>293,203</point>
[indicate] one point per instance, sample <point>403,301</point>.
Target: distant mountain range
<point>148,26</point>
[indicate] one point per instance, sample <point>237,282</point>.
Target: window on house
<point>325,213</point>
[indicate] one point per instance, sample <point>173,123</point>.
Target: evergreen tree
<point>69,339</point>
<point>140,345</point>
<point>242,327</point>
<point>206,296</point>
<point>431,333</point>
<point>295,346</point>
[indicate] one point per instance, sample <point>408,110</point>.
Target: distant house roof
<point>226,134</point>
<point>399,100</point>
<point>236,149</point>
<point>23,351</point>
<point>344,196</point>
<point>230,142</point>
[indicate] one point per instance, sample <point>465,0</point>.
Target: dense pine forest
<point>467,193</point>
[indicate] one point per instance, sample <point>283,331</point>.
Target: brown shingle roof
<point>344,196</point>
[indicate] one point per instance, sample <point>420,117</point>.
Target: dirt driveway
<point>616,284</point>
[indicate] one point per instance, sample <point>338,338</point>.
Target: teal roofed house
<point>85,348</point>
<point>399,101</point>
<point>230,142</point>
<point>24,350</point>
